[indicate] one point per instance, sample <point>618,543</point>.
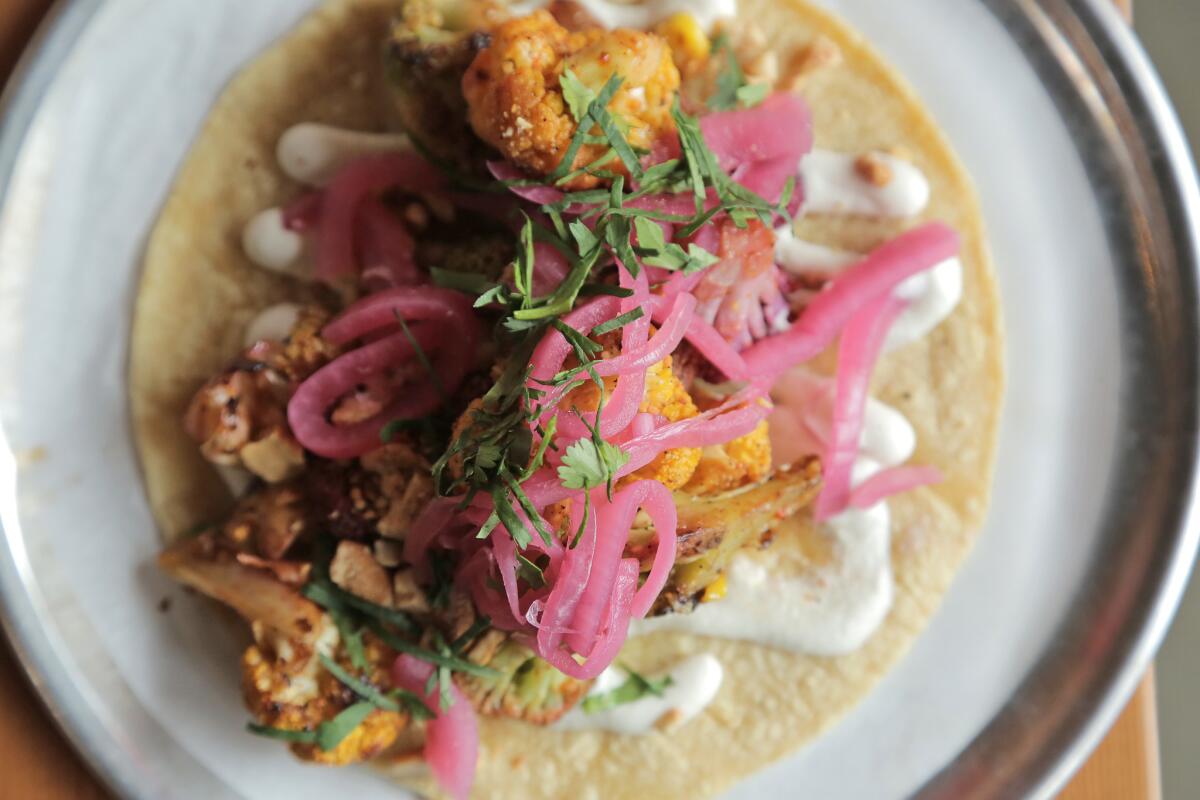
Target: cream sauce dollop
<point>273,323</point>
<point>271,245</point>
<point>773,597</point>
<point>694,683</point>
<point>312,153</point>
<point>833,184</point>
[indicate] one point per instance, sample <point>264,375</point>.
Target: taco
<point>590,400</point>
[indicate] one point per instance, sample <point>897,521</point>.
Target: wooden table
<point>39,764</point>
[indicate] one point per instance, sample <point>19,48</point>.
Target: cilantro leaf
<point>752,94</point>
<point>634,688</point>
<point>698,258</point>
<point>578,96</point>
<point>330,734</point>
<point>650,234</point>
<point>586,464</point>
<point>732,88</point>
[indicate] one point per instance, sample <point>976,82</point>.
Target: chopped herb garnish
<point>657,252</point>
<point>351,635</point>
<point>419,352</point>
<point>327,736</point>
<point>618,322</point>
<point>396,700</point>
<point>286,734</point>
<point>579,97</point>
<point>447,659</point>
<point>326,594</point>
<point>732,88</point>
<point>361,688</point>
<point>467,282</point>
<point>634,688</point>
<point>530,572</point>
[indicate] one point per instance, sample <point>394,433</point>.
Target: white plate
<point>1044,630</point>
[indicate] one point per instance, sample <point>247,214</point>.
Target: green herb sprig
<point>634,688</point>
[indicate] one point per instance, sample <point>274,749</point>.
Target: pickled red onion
<point>574,572</point>
<point>432,520</point>
<point>878,274</point>
<point>708,343</point>
<point>736,417</point>
<point>762,146</point>
<point>612,633</point>
<point>387,248</point>
<point>304,213</point>
<point>380,310</point>
<point>343,198</point>
<point>883,485</point>
<point>452,736</point>
<point>537,194</point>
<point>861,344</point>
<point>308,409</point>
<point>550,268</point>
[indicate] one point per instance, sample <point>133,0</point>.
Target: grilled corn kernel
<point>715,590</point>
<point>684,34</point>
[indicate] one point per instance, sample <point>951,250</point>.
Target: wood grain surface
<point>38,763</point>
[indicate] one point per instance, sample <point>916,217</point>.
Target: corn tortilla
<point>199,291</point>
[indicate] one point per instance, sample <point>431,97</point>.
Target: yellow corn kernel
<point>688,41</point>
<point>715,590</point>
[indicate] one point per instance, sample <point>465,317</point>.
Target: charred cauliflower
<point>431,45</point>
<point>666,397</point>
<point>722,467</point>
<point>285,688</point>
<point>515,101</point>
<point>527,688</point>
<point>240,416</point>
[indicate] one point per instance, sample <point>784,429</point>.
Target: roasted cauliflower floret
<point>722,467</point>
<point>430,48</point>
<point>666,397</point>
<point>515,102</point>
<point>240,416</point>
<point>285,687</point>
<point>741,296</point>
<point>713,528</point>
<point>209,565</point>
<point>267,521</point>
<point>527,687</point>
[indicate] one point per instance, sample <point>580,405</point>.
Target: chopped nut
<point>389,553</point>
<point>354,569</point>
<point>670,719</point>
<point>272,516</point>
<point>873,169</point>
<point>753,38</point>
<point>409,596</point>
<point>483,650</point>
<point>404,483</point>
<point>823,53</point>
<point>275,457</point>
<point>416,215</point>
<point>459,614</point>
<point>441,207</point>
<point>293,573</point>
<point>764,68</point>
<point>572,15</point>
